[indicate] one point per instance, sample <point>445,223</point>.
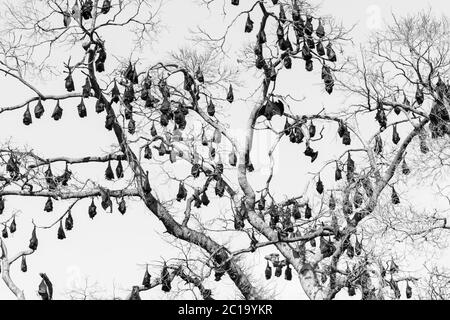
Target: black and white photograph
<point>246,151</point>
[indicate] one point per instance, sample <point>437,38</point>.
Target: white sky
<point>111,248</point>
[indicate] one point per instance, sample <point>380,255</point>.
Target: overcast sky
<point>112,248</point>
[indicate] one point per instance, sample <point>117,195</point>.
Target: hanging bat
<point>271,108</point>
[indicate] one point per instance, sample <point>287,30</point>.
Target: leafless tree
<point>87,290</point>
<point>402,80</point>
<point>170,119</point>
<point>435,286</point>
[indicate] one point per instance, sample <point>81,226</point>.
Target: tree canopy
<point>324,196</point>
